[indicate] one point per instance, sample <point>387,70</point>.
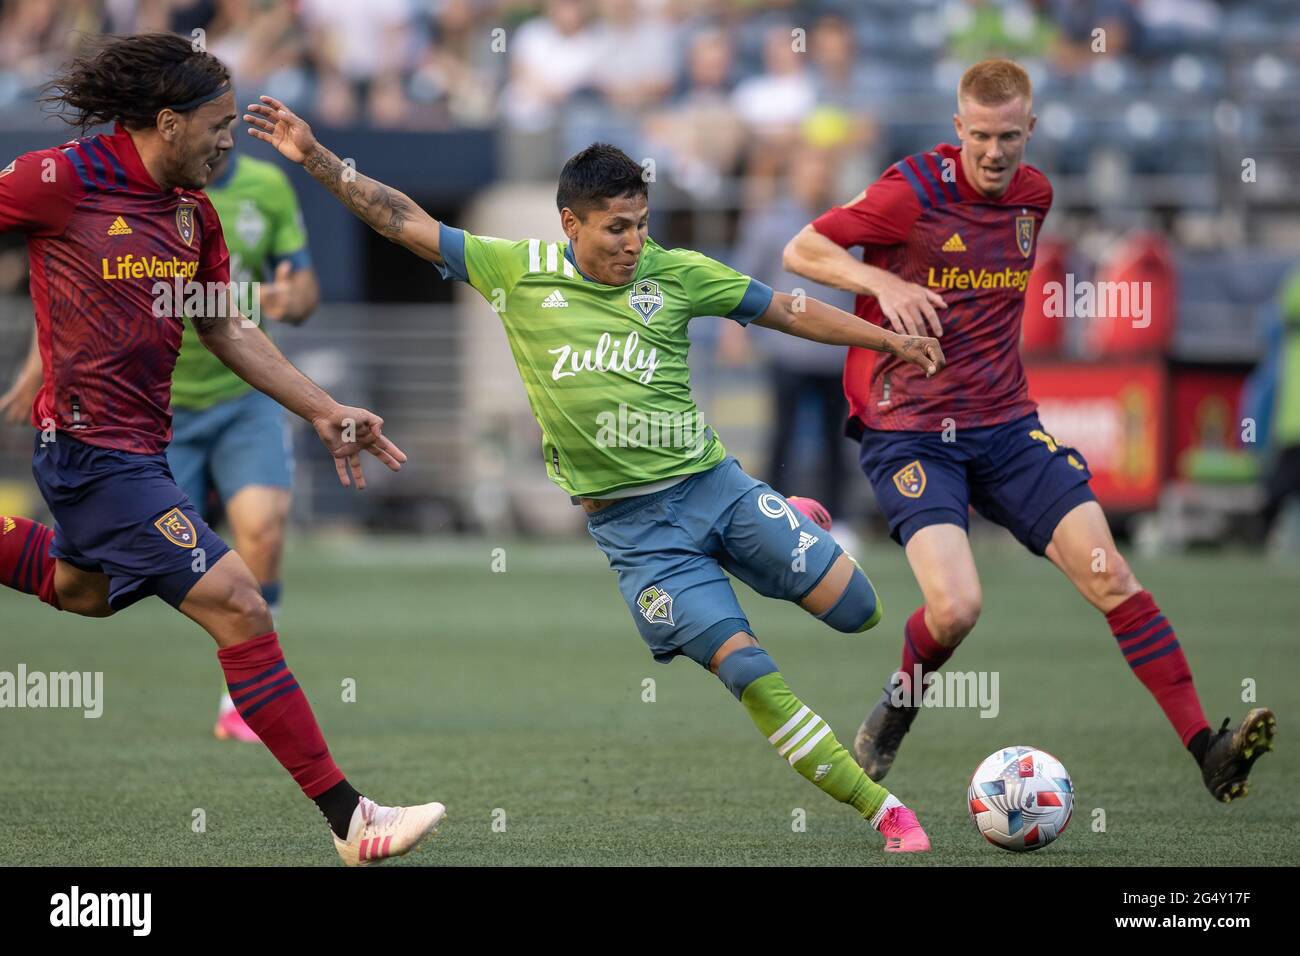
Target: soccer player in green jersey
<point>597,327</point>
<point>229,441</point>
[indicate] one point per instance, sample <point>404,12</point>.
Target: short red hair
<point>994,82</point>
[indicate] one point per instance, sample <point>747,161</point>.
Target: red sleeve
<point>214,258</point>
<point>38,193</point>
<point>882,216</point>
<point>1035,189</point>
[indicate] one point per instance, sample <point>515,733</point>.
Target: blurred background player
<point>597,327</point>
<point>806,378</point>
<point>948,241</point>
<point>231,449</point>
<point>115,223</point>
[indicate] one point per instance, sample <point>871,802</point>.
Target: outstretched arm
<point>815,320</point>
<point>389,212</point>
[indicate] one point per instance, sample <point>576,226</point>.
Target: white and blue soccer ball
<point>1020,798</point>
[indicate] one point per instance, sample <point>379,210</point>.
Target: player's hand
<point>920,350</point>
<point>273,122</point>
<point>346,432</point>
<point>16,403</point>
<point>276,294</point>
<point>909,307</point>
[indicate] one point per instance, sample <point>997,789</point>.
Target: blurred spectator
<point>36,36</point>
<point>1075,46</point>
<point>983,29</point>
<point>774,102</point>
<point>699,138</point>
<point>254,39</point>
<point>636,54</point>
<point>460,72</point>
<point>843,76</point>
<point>360,54</point>
<point>552,57</point>
<point>1171,23</point>
<point>804,376</point>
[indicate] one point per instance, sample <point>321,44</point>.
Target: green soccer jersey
<point>262,224</point>
<point>605,366</point>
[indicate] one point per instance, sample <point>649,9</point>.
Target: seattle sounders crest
<point>656,606</point>
<point>645,299</point>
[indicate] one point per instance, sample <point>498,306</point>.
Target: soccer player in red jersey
<point>117,225</point>
<point>948,240</point>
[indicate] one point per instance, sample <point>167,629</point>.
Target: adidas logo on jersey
<point>954,244</point>
<point>806,541</point>
<point>554,301</point>
<point>119,228</point>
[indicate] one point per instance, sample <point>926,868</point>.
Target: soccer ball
<point>1020,798</point>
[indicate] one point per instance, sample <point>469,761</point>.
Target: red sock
<point>1151,649</point>
<point>270,701</point>
<point>25,562</point>
<point>920,648</point>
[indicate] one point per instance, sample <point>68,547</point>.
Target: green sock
<point>807,743</point>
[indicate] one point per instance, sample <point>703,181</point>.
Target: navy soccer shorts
<point>122,514</point>
<point>1015,474</point>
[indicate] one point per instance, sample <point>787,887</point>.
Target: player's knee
<point>1114,580</point>
<point>76,597</point>
<point>262,536</point>
<point>743,666</point>
<point>858,608</point>
<point>246,610</point>
<point>84,602</point>
<point>954,616</point>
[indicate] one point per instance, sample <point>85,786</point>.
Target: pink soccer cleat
<point>902,832</point>
<point>814,511</point>
<point>230,726</point>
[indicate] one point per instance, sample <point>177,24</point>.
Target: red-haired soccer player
<point>948,241</point>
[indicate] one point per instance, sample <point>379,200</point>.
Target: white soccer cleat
<point>377,833</point>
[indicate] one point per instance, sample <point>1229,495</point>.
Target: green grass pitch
<point>517,697</point>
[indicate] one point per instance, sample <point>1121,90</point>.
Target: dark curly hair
<point>131,79</point>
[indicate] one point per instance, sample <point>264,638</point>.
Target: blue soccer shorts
<point>672,551</point>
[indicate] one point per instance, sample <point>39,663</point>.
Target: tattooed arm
<point>816,320</point>
<point>389,212</point>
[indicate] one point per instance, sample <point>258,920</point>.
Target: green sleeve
<point>1290,299</point>
<point>716,289</point>
<point>486,263</point>
<point>288,236</point>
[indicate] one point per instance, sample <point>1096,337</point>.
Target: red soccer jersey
<point>101,233</point>
<point>974,251</point>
